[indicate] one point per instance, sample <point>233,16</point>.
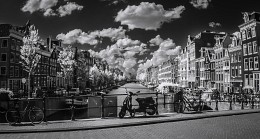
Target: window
<point>12,57</point>
<point>235,57</point>
<point>232,58</point>
<point>17,58</point>
<point>10,84</point>
<point>3,57</point>
<point>246,64</point>
<point>3,71</point>
<point>11,72</point>
<point>13,44</point>
<point>243,35</point>
<point>253,32</point>
<point>249,35</point>
<point>256,64</point>
<point>256,80</point>
<point>239,57</point>
<point>232,72</point>
<point>4,43</point>
<point>246,79</point>
<point>239,70</point>
<point>16,73</point>
<point>245,49</point>
<point>251,63</point>
<point>254,47</point>
<point>18,44</point>
<point>250,49</point>
<point>250,79</point>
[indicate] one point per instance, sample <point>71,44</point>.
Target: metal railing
<point>252,100</point>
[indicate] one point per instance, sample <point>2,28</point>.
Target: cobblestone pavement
<point>246,126</point>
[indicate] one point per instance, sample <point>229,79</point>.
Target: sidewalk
<point>93,124</point>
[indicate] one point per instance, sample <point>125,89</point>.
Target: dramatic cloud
<point>166,49</point>
<point>126,42</point>
<point>49,12</point>
<point>129,63</point>
<point>213,24</point>
<point>35,5</point>
<point>78,36</point>
<point>148,16</point>
<point>200,4</point>
<point>122,54</point>
<point>68,8</point>
<point>46,7</point>
<point>156,41</point>
<point>113,33</point>
<point>174,52</point>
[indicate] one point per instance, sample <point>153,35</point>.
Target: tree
<point>66,61</point>
<point>95,73</point>
<point>29,56</point>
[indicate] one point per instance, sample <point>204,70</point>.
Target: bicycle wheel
<point>12,116</point>
<point>36,115</point>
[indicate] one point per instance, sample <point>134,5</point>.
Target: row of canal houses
<point>48,74</point>
<point>224,61</point>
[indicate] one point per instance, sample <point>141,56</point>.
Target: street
<point>245,126</point>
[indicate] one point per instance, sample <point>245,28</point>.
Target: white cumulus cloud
<point>148,16</point>
<point>156,41</point>
<point>35,5</point>
<point>68,8</point>
<point>46,6</point>
<point>200,4</point>
<point>78,36</point>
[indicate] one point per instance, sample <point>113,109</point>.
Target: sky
<point>129,34</point>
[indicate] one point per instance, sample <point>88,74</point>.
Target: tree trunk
<point>29,85</point>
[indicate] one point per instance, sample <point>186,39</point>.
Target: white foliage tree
<point>29,56</point>
<point>95,73</point>
<point>66,60</point>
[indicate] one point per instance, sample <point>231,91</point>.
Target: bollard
<point>44,109</point>
<point>72,109</point>
<point>102,106</point>
<point>216,108</point>
<point>157,113</point>
<point>164,101</point>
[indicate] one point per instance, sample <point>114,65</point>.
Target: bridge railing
<point>107,105</point>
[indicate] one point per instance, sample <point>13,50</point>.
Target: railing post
<point>252,101</point>
<point>216,108</point>
<point>164,101</point>
<point>44,109</point>
<point>242,103</point>
<point>230,103</point>
<point>157,113</point>
<point>72,109</point>
<point>102,106</point>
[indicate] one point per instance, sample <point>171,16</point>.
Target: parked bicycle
<point>14,115</point>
